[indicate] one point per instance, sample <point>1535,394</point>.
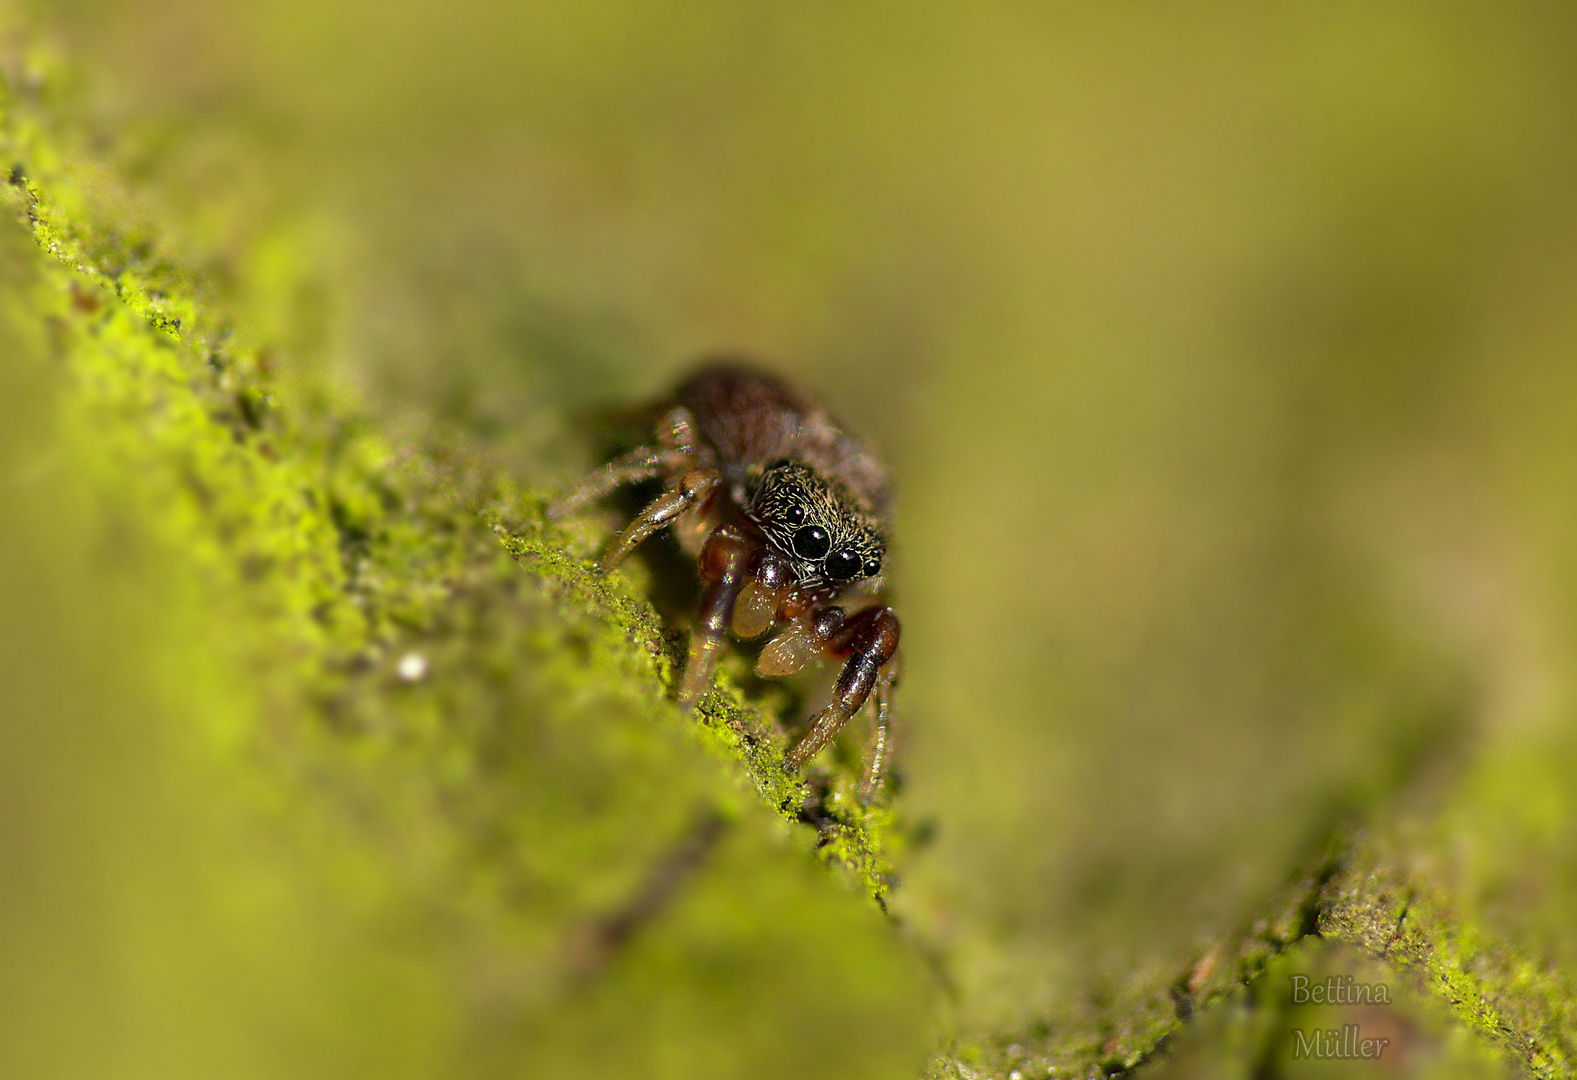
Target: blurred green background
<point>1225,355</point>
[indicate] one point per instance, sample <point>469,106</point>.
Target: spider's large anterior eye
<point>811,542</point>
<point>843,564</point>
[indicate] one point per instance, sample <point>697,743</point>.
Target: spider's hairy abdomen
<point>750,420</point>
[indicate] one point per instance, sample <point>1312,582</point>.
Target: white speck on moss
<point>413,667</point>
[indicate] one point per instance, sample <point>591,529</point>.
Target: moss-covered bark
<point>434,728</point>
<point>457,823</point>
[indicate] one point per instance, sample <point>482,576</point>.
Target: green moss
<point>1257,1030</point>
<point>1427,926</point>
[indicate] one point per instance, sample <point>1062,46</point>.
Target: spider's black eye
<point>811,542</point>
<point>873,567</point>
<point>843,564</point>
<point>794,515</point>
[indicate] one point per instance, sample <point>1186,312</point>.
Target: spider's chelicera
<point>786,512</point>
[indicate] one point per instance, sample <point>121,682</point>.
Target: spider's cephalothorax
<point>816,525</point>
<point>786,510</point>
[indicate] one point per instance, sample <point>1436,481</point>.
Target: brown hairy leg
<point>642,463</point>
<point>869,639</point>
<point>724,567</point>
<point>677,450</point>
<point>878,752</point>
<point>693,491</point>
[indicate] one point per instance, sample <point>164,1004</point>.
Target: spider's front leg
<point>642,463</point>
<point>869,639</point>
<point>725,565</point>
<point>677,450</point>
<point>692,493</point>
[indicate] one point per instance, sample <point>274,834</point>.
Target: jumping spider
<point>786,511</point>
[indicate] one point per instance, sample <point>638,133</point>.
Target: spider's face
<point>816,525</point>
